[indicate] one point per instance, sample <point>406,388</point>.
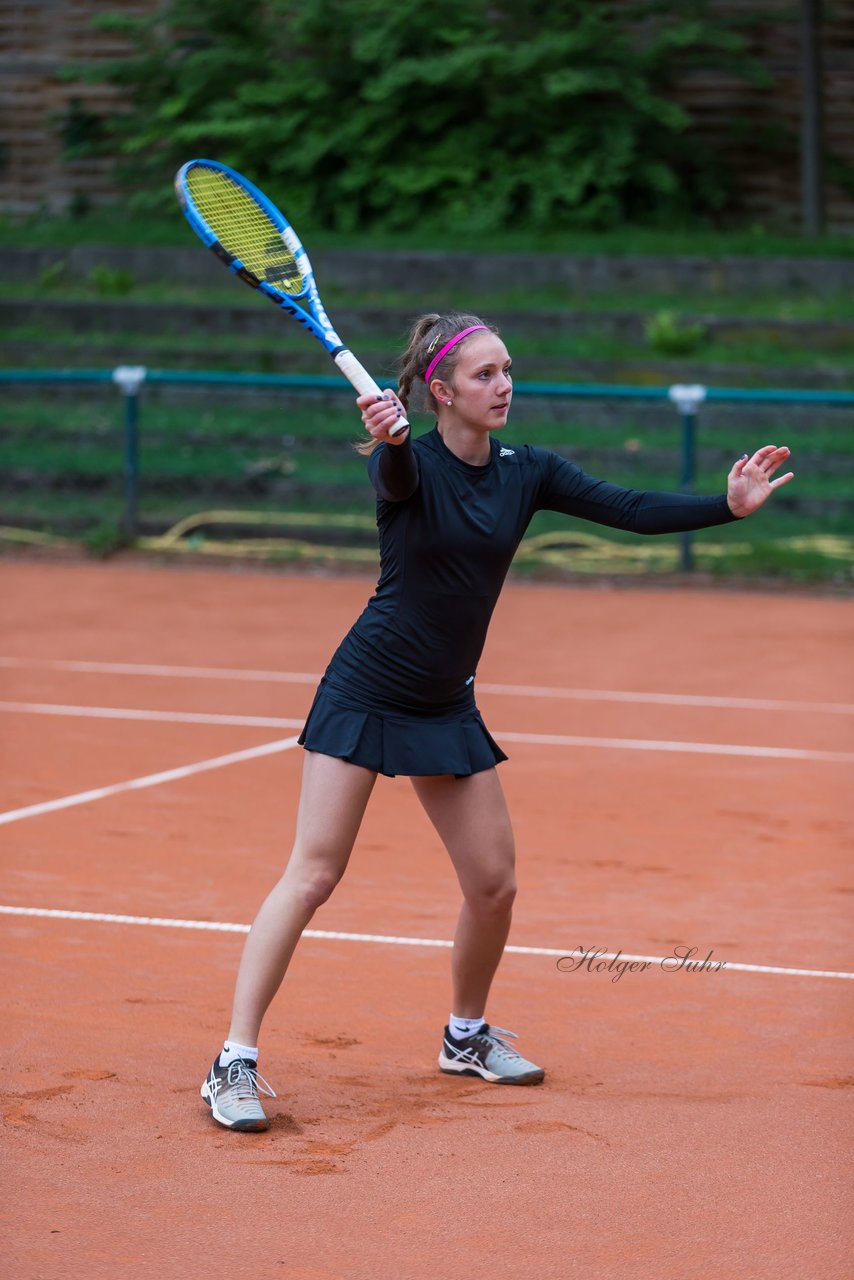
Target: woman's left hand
<point>749,484</point>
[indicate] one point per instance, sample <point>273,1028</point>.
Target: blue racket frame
<point>315,318</point>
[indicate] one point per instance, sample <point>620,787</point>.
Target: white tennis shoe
<point>232,1094</point>
<point>487,1054</point>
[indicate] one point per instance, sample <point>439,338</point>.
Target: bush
<point>363,114</point>
<point>105,539</point>
<point>670,335</point>
<point>111,281</point>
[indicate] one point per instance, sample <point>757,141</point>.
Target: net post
<point>687,400</point>
<point>129,380</point>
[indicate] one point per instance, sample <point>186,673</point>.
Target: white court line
<point>667,699</point>
<point>159,669</point>
<point>506,690</point>
<point>533,739</point>
<point>167,717</point>
<point>160,922</point>
<point>151,780</point>
<point>689,748</point>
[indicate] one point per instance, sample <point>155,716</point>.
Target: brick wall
<point>757,130</point>
<point>37,40</point>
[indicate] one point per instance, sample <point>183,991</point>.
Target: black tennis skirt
<point>411,746</point>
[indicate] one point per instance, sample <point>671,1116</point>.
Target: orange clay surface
<point>692,1125</point>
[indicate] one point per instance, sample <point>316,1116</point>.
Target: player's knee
<point>493,897</point>
<point>317,888</point>
<point>317,874</point>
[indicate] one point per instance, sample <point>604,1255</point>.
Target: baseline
<point>505,690</point>
<point>163,922</point>
<point>135,713</point>
<point>532,739</point>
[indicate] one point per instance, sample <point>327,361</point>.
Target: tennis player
<point>398,696</point>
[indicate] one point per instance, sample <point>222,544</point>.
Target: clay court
<point>680,777</point>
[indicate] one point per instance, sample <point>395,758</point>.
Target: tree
<point>358,113</point>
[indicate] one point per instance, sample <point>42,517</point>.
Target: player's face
<point>482,386</point>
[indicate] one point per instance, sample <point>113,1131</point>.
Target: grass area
<point>283,459</point>
<point>763,304</point>
<point>183,348</point>
<point>61,463</point>
<point>784,336</point>
<point>116,225</point>
<point>204,437</point>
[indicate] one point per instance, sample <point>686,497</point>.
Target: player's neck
<point>466,443</point>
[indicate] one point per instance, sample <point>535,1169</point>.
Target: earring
<point>449,402</point>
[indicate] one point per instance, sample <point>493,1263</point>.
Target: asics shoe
<point>488,1054</point>
<point>232,1094</point>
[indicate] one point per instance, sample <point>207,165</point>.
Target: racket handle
<point>358,375</point>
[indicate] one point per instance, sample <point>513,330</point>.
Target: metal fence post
<point>129,379</point>
<point>688,400</point>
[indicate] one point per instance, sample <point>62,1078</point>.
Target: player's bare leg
<point>470,815</point>
<point>332,804</point>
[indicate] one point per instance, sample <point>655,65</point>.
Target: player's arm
<point>568,489</point>
<point>393,469</point>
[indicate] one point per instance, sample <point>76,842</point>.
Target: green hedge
<point>360,114</point>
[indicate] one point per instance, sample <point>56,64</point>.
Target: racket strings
<point>244,229</point>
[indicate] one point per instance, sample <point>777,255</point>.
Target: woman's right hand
<point>381,414</point>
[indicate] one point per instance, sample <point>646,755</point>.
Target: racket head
<point>255,240</point>
<point>243,228</point>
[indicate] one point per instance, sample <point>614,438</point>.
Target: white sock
<point>460,1028</point>
<point>232,1051</point>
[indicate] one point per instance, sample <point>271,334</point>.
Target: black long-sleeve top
<point>448,532</point>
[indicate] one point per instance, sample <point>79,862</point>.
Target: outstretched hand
<point>749,484</point>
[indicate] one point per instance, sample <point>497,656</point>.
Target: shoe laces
<point>501,1047</point>
<point>246,1080</point>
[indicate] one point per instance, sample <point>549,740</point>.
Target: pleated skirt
<point>410,746</point>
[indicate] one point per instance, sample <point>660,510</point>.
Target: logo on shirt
<point>506,453</point>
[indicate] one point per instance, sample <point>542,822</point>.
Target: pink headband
<point>458,337</point>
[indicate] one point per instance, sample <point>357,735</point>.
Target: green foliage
<point>54,275</point>
<point>670,335</point>
<point>111,281</point>
<point>105,539</point>
<point>81,130</point>
<point>841,173</point>
<point>360,114</point>
<point>103,280</point>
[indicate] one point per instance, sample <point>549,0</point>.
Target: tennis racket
<point>254,240</point>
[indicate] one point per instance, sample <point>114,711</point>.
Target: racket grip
<point>358,375</point>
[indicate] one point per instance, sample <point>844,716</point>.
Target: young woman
<point>398,694</point>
